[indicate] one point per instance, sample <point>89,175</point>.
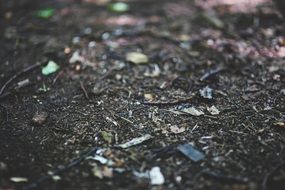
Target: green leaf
<point>50,68</point>
<point>45,13</point>
<point>107,136</point>
<point>119,7</point>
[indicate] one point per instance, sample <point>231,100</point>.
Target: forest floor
<point>209,75</point>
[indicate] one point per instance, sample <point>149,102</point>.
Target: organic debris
<point>135,141</point>
<point>136,58</point>
<point>156,177</point>
<point>190,152</point>
<point>218,88</point>
<point>50,68</point>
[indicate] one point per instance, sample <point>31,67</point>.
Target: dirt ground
<point>53,125</point>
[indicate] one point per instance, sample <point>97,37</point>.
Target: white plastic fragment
<point>155,73</point>
<point>192,111</point>
<point>207,92</point>
<point>156,177</point>
<point>102,160</point>
<point>18,179</point>
<point>141,174</point>
<point>213,110</point>
<point>136,58</point>
<point>56,177</point>
<point>76,57</point>
<point>135,141</point>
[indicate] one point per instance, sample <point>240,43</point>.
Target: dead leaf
<point>149,97</point>
<point>156,177</point>
<point>155,73</point>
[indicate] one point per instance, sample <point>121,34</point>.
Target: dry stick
<point>17,75</point>
<point>267,176</point>
<point>84,90</point>
<point>57,76</point>
<point>61,170</point>
<point>181,101</point>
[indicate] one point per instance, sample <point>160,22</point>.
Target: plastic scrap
<point>192,111</point>
<point>190,152</point>
<point>213,110</point>
<point>136,58</point>
<point>207,93</point>
<point>156,177</point>
<point>19,179</point>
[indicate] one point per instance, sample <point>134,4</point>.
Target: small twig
<point>267,176</point>
<point>25,70</point>
<point>57,76</point>
<point>124,118</point>
<point>223,177</point>
<point>4,95</point>
<point>211,73</point>
<point>61,170</point>
<point>107,74</point>
<point>6,112</point>
<point>175,102</point>
<point>84,90</point>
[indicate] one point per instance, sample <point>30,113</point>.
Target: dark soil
<point>58,118</point>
